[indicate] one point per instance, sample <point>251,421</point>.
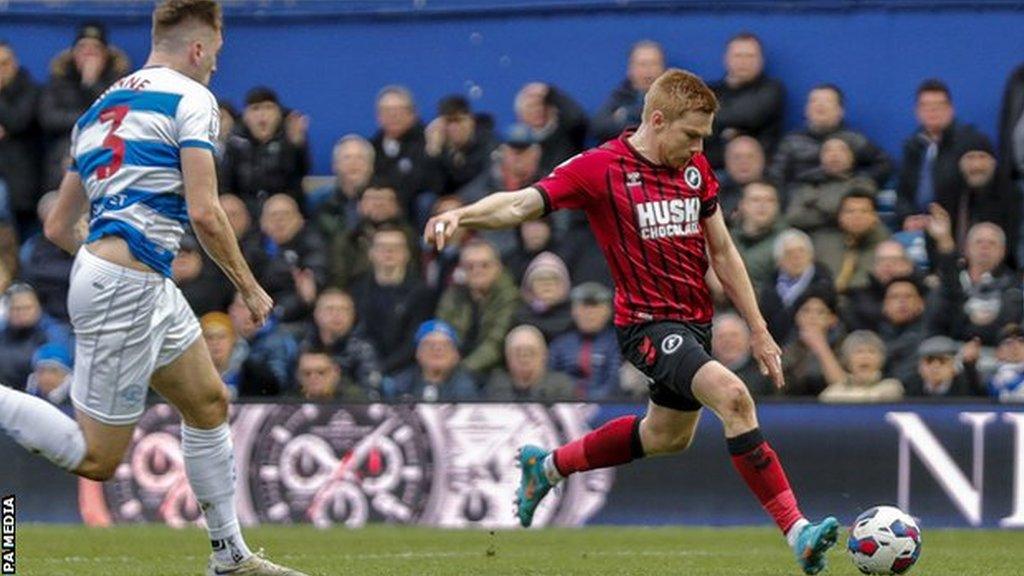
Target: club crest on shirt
<point>633,179</point>
<point>692,177</point>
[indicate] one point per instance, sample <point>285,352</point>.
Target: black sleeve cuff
<point>709,208</point>
<point>548,209</point>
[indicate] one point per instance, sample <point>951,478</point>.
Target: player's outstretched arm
<point>732,273</point>
<point>499,210</point>
<point>61,226</point>
<point>213,230</point>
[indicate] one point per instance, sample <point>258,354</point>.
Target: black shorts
<point>669,353</point>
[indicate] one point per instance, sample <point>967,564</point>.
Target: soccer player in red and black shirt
<point>651,199</point>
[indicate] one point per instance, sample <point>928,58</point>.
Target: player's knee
<point>209,411</point>
<point>737,402</point>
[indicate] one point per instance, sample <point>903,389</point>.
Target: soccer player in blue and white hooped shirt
<point>144,170</point>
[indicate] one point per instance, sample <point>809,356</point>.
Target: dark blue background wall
<point>331,66</point>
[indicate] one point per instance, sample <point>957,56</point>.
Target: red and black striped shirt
<point>648,222</point>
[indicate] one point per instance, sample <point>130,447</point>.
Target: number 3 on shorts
<point>115,115</point>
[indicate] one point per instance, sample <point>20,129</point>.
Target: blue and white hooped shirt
<point>127,150</point>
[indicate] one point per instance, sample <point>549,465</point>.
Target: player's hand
<point>440,228</point>
<point>768,356</point>
<point>259,304</point>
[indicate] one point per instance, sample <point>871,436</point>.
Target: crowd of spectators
<point>881,278</point>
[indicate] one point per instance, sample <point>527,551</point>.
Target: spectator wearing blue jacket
<point>436,377</point>
<point>589,353</point>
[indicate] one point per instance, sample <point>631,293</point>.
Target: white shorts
<point>127,324</point>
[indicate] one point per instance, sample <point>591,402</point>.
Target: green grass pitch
<point>613,551</point>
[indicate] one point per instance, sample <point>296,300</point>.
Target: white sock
<point>550,470</point>
<point>794,531</point>
<point>41,428</point>
<point>210,466</point>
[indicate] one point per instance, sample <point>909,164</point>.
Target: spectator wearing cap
<point>938,373</point>
<point>378,204</point>
<point>755,229</point>
<point>863,306</point>
<point>400,146</point>
<point>626,103</point>
<point>460,144</point>
<point>848,251</point>
<point>320,379</point>
<point>52,371</point>
<point>1007,384</point>
<point>816,327</point>
<point>799,151</point>
<point>296,267</point>
<point>26,330</point>
<point>268,154</point>
<point>335,204</point>
<point>981,197</point>
<point>392,298</point>
<point>265,353</point>
<point>744,164</point>
<point>589,352</point>
<point>526,376</point>
<point>480,307</point>
<point>557,122</point>
<point>977,299</point>
<point>814,200</point>
<point>931,156</point>
<point>730,343</point>
<point>514,165</point>
<point>858,376</point>
<point>436,376</point>
<point>334,330</point>
<point>750,103</point>
<point>219,334</point>
<point>545,296</point>
<point>46,267</point>
<point>78,76</point>
<point>19,133</point>
<point>795,274</point>
<point>204,285</point>
<point>903,326</point>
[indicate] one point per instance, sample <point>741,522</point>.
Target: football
<point>884,540</point>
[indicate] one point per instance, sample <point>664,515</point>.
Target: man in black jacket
<point>931,156</point>
<point>749,102</point>
<point>460,144</point>
<point>799,150</point>
<point>400,146</point>
<point>19,96</point>
<point>980,298</point>
<point>626,102</point>
<point>77,78</point>
<point>268,154</point>
<point>296,263</point>
<point>557,122</point>
<point>391,299</point>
